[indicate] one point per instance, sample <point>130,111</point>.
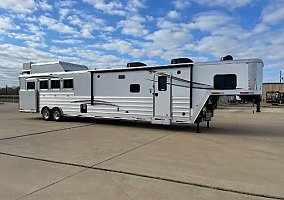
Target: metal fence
<point>9,98</point>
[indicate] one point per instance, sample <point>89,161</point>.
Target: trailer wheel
<point>56,114</point>
<point>45,113</point>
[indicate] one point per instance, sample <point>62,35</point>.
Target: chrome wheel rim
<point>45,114</point>
<point>56,115</point>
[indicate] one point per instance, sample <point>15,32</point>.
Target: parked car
<point>275,97</point>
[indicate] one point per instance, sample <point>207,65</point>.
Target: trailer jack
<point>258,107</point>
<point>197,127</point>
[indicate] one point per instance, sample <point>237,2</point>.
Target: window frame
<point>220,84</point>
<point>48,85</point>
<point>162,83</point>
<point>134,85</point>
<point>31,81</point>
<point>55,80</point>
<point>68,88</point>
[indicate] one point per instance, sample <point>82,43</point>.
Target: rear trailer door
<point>28,97</point>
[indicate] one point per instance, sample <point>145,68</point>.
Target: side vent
<point>227,57</point>
<point>181,60</point>
<point>135,64</point>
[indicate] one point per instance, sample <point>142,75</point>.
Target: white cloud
<point>274,12</point>
<point>169,39</point>
<point>181,4</point>
<point>75,20</point>
<point>219,46</point>
<point>113,7</point>
<point>43,4</point>
<point>232,4</point>
<point>134,5</point>
<point>32,28</point>
<point>91,57</point>
<point>134,48</point>
<point>54,25</point>
<point>26,6</point>
<point>88,24</point>
<point>121,46</point>
<point>87,30</point>
<point>26,18</point>
<point>133,26</point>
<point>23,36</point>
<point>260,28</point>
<point>210,21</point>
<point>92,24</point>
<point>7,24</point>
<point>117,7</point>
<point>56,50</point>
<point>63,12</point>
<point>65,3</point>
<point>151,49</point>
<point>163,23</point>
<point>118,45</point>
<point>68,41</point>
<point>33,44</point>
<point>276,37</point>
<point>173,14</point>
<point>31,35</point>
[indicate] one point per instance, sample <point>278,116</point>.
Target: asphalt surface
<point>241,156</point>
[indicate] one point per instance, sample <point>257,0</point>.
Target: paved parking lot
<point>240,157</point>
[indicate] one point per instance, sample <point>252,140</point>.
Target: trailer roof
<point>143,67</point>
<point>177,65</point>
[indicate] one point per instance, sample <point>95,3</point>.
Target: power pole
<point>281,77</point>
<point>6,89</point>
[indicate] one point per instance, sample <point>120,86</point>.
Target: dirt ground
<point>241,156</point>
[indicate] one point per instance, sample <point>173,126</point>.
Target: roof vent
<point>227,57</point>
<point>135,64</point>
<point>181,60</point>
<point>27,68</point>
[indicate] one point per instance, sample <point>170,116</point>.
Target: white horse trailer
<point>182,92</point>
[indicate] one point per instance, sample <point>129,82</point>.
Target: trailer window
<point>43,84</point>
<point>30,85</point>
<point>68,83</point>
<point>225,81</point>
<point>55,84</point>
<point>134,88</point>
<point>162,83</point>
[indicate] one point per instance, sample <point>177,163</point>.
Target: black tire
<point>46,114</point>
<point>56,114</point>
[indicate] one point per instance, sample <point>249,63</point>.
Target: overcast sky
<point>104,33</point>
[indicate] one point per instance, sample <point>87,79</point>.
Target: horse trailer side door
<point>162,99</point>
